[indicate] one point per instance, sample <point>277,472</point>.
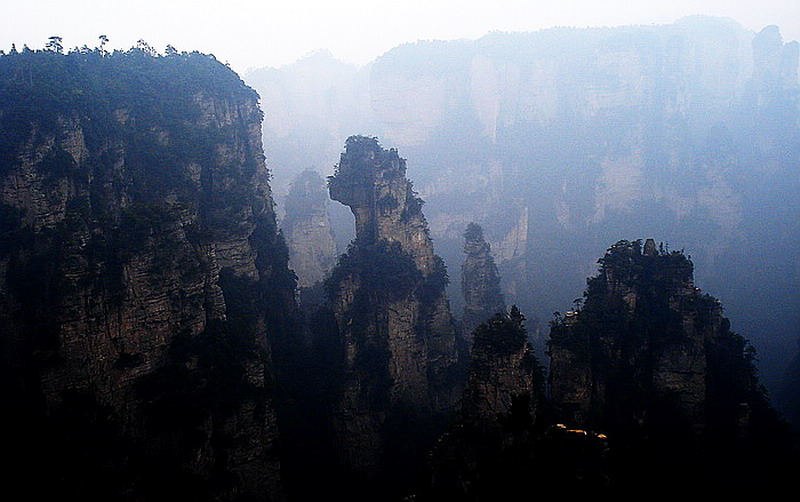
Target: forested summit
<point>39,86</point>
<point>649,359</point>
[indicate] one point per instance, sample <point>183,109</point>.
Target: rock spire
<point>401,353</point>
<point>480,282</point>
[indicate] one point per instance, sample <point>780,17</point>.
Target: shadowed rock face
<point>401,352</point>
<point>649,360</point>
<point>643,334</point>
<point>648,351</point>
<point>480,282</point>
<point>307,229</point>
<point>141,274</point>
<point>502,370</point>
<point>490,449</point>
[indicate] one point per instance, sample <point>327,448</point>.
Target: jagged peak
<point>306,191</point>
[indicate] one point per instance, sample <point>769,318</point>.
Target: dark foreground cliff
<point>489,452</point>
<point>141,278</point>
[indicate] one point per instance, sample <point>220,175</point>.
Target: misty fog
<point>562,141</point>
<point>398,250</point>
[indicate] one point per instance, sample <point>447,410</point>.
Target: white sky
<point>251,34</point>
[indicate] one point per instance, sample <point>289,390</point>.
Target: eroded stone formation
<point>401,353</point>
<point>503,370</point>
<point>649,355</point>
<point>141,277</point>
<point>490,450</point>
<point>480,282</point>
<point>650,360</point>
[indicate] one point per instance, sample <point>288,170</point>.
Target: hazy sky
<point>270,33</point>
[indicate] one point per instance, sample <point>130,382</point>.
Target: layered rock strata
<point>400,349</point>
<point>141,275</point>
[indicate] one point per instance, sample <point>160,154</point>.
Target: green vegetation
<point>654,279</point>
<point>643,323</point>
<point>362,155</point>
<point>359,145</point>
<point>382,267</point>
<point>434,284</point>
<point>502,335</point>
<point>108,93</point>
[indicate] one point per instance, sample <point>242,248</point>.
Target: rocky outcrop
<point>307,229</point>
<point>490,450</point>
<point>141,276</point>
<point>649,360</point>
<point>648,354</point>
<point>400,349</point>
<point>651,346</point>
<point>503,371</point>
<point>480,283</point>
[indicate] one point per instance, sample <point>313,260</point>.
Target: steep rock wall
<point>141,272</point>
<point>401,352</point>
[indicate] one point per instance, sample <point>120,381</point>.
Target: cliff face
<point>307,229</point>
<point>480,283</point>
<point>400,349</point>
<point>141,273</point>
<point>649,354</point>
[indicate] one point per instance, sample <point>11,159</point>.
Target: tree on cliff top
<point>673,374</point>
<point>114,91</point>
